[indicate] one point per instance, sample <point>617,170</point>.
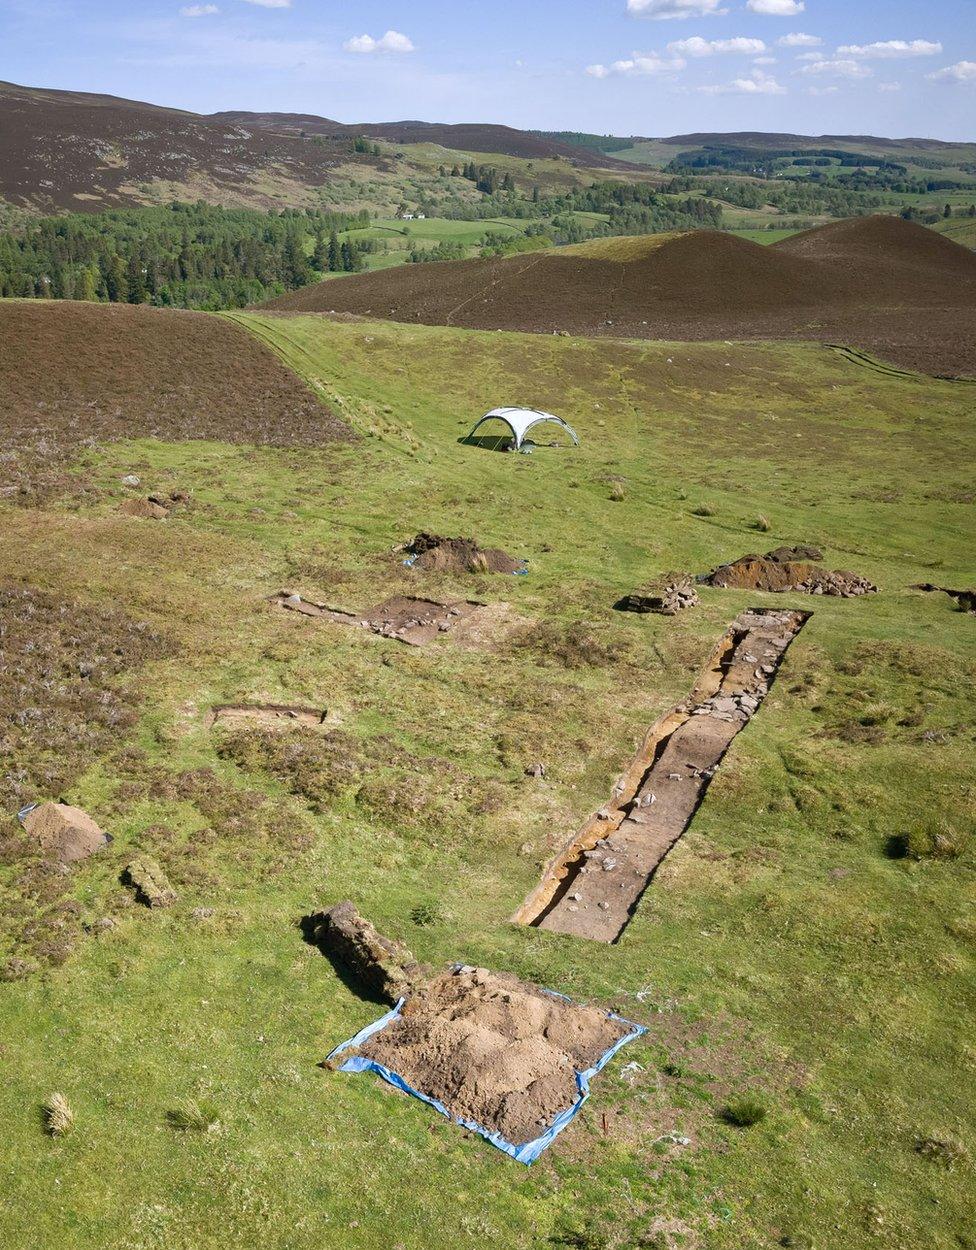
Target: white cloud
<point>799,40</point>
<point>271,4</point>
<point>664,10</point>
<point>198,10</point>
<point>392,41</point>
<point>759,84</point>
<point>889,86</point>
<point>891,47</point>
<point>764,60</point>
<point>776,8</point>
<point>840,67</point>
<point>822,90</point>
<point>696,46</point>
<point>962,71</point>
<point>811,56</point>
<point>639,64</point>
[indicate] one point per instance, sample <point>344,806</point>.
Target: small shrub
<point>479,563</point>
<point>617,492</point>
<point>59,1119</point>
<point>703,509</point>
<point>744,1111</point>
<point>190,1116</point>
<point>762,524</point>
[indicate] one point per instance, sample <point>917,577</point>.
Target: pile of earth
<point>862,282</point>
<point>74,373</point>
<point>155,507</point>
<point>789,568</point>
<point>493,1049</point>
<point>433,553</point>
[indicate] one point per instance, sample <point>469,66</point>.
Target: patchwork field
<point>807,947</point>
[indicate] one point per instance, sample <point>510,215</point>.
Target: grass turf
<point>781,951</point>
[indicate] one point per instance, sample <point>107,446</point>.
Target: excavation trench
<point>273,715</point>
<point>403,617</point>
<point>591,888</point>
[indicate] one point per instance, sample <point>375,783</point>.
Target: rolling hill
<point>861,281</point>
<point>70,150</point>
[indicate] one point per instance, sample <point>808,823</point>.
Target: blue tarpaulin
<point>527,1152</point>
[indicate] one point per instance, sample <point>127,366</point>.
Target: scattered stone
<point>65,834</point>
<point>130,479</point>
<point>384,965</point>
<point>667,595</point>
<point>536,770</point>
<point>150,883</point>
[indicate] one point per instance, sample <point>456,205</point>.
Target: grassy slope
<point>854,994</point>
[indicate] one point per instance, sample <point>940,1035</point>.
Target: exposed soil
<point>63,833</point>
<point>863,281</point>
<point>413,621</point>
<point>592,887</point>
<point>493,1049</point>
<point>459,555</point>
<point>268,715</point>
<point>74,374</point>
<point>789,568</point>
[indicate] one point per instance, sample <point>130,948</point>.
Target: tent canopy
<point>521,420</point>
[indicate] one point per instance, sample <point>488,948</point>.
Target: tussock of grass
<point>58,1117</point>
<point>744,1111</point>
<point>191,1116</point>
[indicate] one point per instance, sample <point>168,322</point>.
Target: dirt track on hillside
<point>881,284</point>
<point>75,372</point>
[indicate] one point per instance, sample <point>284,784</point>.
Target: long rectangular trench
<point>592,887</point>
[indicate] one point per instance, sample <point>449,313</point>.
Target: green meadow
<point>811,941</point>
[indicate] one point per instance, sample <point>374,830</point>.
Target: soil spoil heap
<point>493,1049</point>
<point>789,568</point>
<point>63,833</point>
<point>861,282</point>
<point>433,553</point>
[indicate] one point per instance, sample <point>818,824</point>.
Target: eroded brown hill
<point>863,282</point>
<point>75,372</point>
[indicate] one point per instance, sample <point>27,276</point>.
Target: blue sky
<point>653,67</point>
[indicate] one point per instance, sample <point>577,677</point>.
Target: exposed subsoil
<point>432,553</point>
<point>493,1049</point>
<point>413,621</point>
<point>864,281</point>
<point>592,887</point>
<point>74,374</point>
<point>269,715</point>
<point>789,568</point>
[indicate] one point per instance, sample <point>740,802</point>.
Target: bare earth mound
<point>863,282</point>
<point>494,1050</point>
<point>74,371</point>
<point>432,553</point>
<point>789,568</point>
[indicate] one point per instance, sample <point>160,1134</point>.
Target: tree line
<point>181,256</point>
